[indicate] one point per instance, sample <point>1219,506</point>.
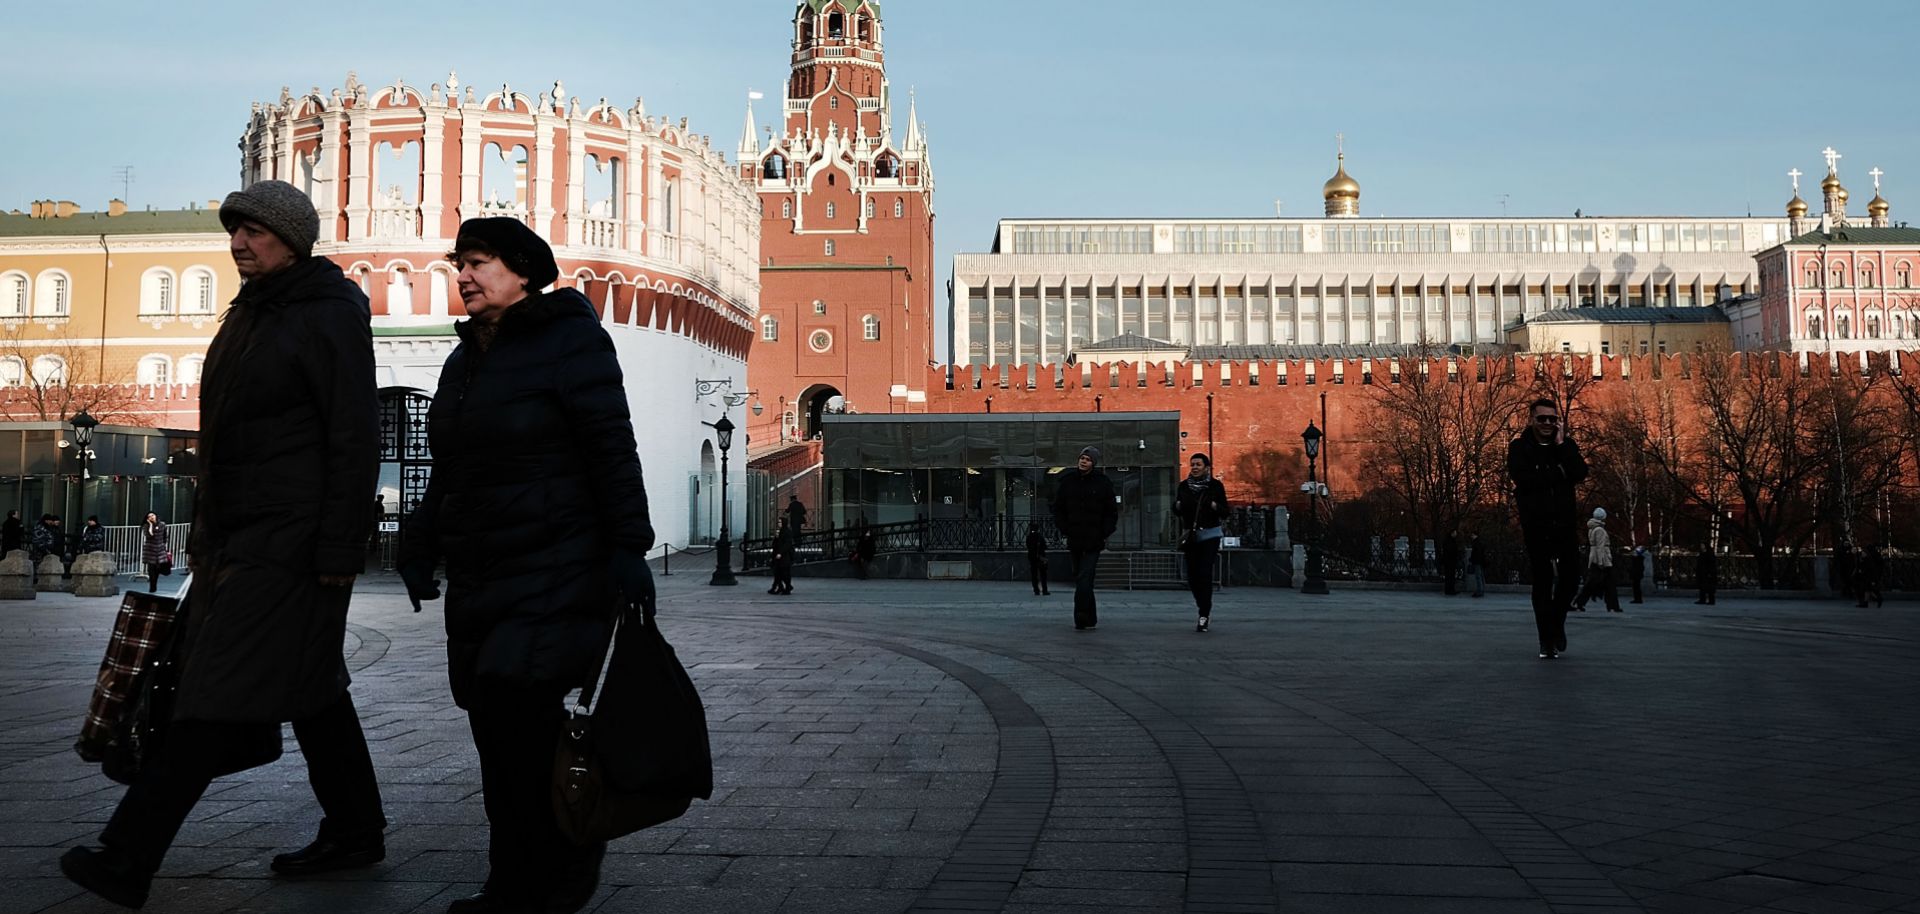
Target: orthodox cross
<point>1876,173</point>
<point>1832,157</point>
<point>1795,175</point>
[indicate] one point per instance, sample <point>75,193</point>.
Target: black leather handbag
<point>635,751</point>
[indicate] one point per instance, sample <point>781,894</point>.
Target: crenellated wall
<point>1236,409</point>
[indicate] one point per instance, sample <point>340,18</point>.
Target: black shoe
<point>1561,645</point>
<point>108,873</point>
<point>1046,593</point>
<point>327,854</point>
<point>1547,654</point>
<point>578,882</point>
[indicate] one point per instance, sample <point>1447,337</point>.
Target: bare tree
<point>1861,430</point>
<point>60,376</point>
<point>1440,436</point>
<point>1760,436</point>
<point>1624,447</point>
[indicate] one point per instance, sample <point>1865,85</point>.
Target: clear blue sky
<point>1062,107</point>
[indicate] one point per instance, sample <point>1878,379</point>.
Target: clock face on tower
<point>820,341</point>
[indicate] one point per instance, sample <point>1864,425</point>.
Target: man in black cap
<point>289,451</point>
<point>1084,511</point>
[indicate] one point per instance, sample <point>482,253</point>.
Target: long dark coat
<point>536,483</point>
<point>289,450</point>
<point>1084,511</point>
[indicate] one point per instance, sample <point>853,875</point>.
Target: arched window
<point>1903,274</point>
<point>786,209</point>
<point>1839,277</point>
<point>1813,326</point>
<point>52,294</point>
<point>1873,327</point>
<point>1842,327</point>
<point>836,26</point>
<point>776,168</point>
<point>13,372</point>
<point>13,294</point>
<point>1813,277</point>
<point>199,285</point>
<point>155,370</point>
<point>50,370</point>
<point>769,328</point>
<point>1866,277</point>
<point>669,220</point>
<point>899,208</point>
<point>870,327</point>
<point>156,292</point>
<point>833,101</point>
<point>829,209</point>
<point>190,369</point>
<point>869,207</point>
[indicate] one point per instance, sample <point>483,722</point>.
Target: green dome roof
<point>819,6</point>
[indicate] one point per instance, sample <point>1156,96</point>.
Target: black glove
<point>417,574</point>
<point>633,577</point>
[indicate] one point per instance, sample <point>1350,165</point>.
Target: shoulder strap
<point>625,617</point>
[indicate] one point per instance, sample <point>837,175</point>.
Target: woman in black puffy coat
<point>537,506</point>
<point>156,550</point>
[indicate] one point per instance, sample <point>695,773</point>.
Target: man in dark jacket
<point>48,539</point>
<point>782,564</point>
<point>13,533</point>
<point>796,515</point>
<point>1546,466</point>
<point>1706,575</point>
<point>93,537</point>
<point>1084,512</point>
<point>289,451</point>
<point>1037,560</point>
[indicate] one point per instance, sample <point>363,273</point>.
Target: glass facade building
<point>133,470</point>
<point>999,471</point>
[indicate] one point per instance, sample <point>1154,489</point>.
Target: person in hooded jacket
<point>530,423</point>
<point>1200,506</point>
<point>1599,565</point>
<point>93,537</point>
<point>289,448</point>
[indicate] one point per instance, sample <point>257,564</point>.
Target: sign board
<point>389,526</point>
<point>1229,542</point>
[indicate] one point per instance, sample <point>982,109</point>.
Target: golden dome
<point>1341,184</point>
<point>1831,181</point>
<point>1842,194</point>
<point>1796,206</point>
<point>1878,206</point>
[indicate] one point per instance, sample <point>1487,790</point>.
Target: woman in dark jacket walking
<point>530,424</point>
<point>156,550</point>
<point>13,533</point>
<point>1200,504</point>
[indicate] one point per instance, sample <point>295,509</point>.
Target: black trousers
<point>1554,562</point>
<point>516,729</point>
<point>1200,560</point>
<point>1037,570</point>
<point>782,576</point>
<point>339,769</point>
<point>1600,584</point>
<point>1085,613</point>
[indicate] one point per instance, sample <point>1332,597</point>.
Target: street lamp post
<point>83,426</point>
<point>1315,583</point>
<point>723,553</point>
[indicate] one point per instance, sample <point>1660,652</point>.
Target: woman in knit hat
<point>537,505</point>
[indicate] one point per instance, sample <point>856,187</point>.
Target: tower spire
<point>749,132</point>
<point>915,141</point>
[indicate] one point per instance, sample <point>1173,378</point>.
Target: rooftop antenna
<point>125,174</point>
<point>1278,207</point>
<point>1503,205</point>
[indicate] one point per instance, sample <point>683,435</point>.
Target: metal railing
<point>125,544</point>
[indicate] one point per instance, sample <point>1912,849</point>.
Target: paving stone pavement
<point>886,746</point>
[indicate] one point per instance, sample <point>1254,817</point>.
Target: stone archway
<point>818,401</point>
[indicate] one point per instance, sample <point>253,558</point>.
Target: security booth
<point>978,479</point>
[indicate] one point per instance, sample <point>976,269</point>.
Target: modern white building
<point>1049,287</point>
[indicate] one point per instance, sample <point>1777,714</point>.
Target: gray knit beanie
<point>1091,451</point>
<point>279,206</point>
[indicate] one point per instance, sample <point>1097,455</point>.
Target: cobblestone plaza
<point>891,746</point>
